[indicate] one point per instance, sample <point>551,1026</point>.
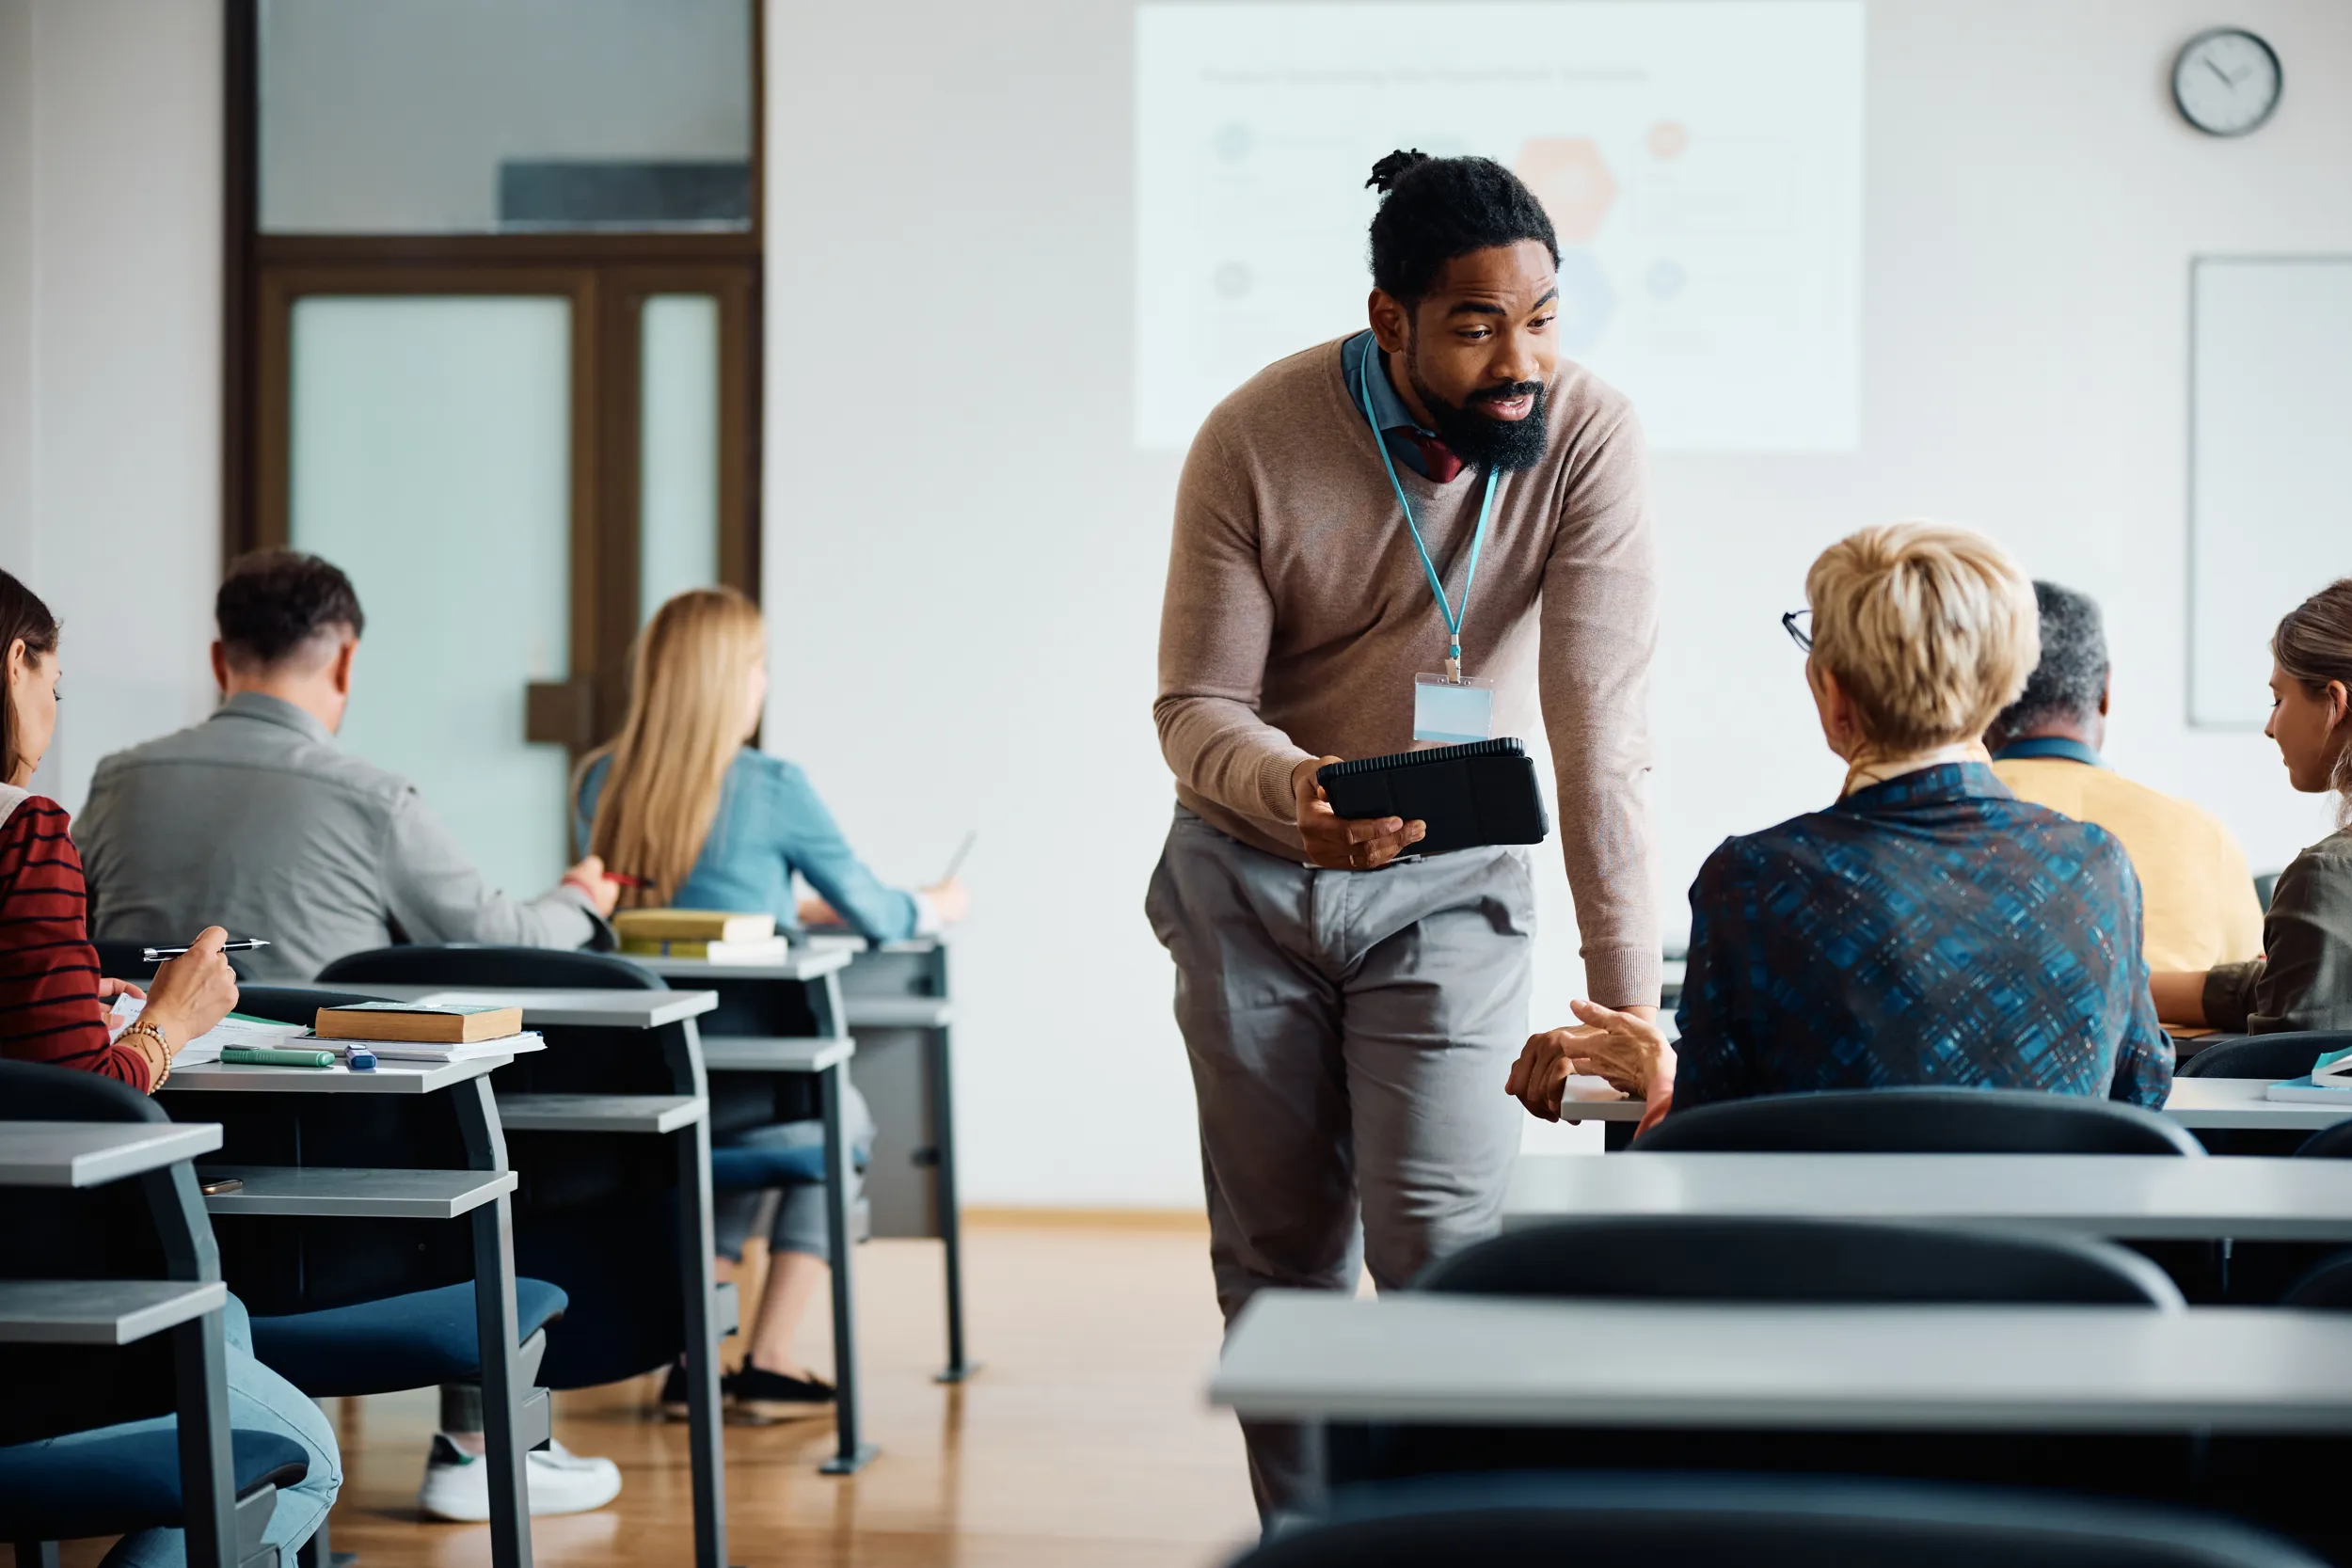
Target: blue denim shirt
<point>1933,929</point>
<point>771,824</point>
<point>1388,410</point>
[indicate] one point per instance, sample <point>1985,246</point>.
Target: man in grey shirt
<point>256,820</point>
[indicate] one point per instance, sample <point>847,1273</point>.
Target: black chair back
<point>1646,1521</point>
<point>293,1003</point>
<point>1918,1122</point>
<point>2267,1056</point>
<point>108,1232</point>
<point>456,964</point>
<point>123,960</point>
<point>1678,1258</point>
<point>592,1207</point>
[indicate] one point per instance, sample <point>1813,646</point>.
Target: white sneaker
<point>457,1483</point>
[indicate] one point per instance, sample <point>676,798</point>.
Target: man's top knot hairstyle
<point>274,603</point>
<point>1433,210</point>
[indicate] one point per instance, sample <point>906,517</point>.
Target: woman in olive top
<point>680,801</point>
<point>2304,978</point>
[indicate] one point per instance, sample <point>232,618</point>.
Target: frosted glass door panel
<point>430,459</point>
<point>678,458</point>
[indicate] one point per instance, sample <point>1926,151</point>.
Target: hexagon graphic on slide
<point>1586,302</point>
<point>1572,180</point>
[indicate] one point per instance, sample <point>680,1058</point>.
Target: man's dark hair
<point>273,603</point>
<point>2073,675</point>
<point>1433,210</point>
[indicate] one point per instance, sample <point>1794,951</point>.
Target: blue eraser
<point>361,1061</point>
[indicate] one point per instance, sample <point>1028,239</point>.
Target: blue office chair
<point>115,1478</point>
<point>1686,1258</point>
<point>1918,1122</point>
<point>1673,1521</point>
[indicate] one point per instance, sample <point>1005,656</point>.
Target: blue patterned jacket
<point>1933,929</point>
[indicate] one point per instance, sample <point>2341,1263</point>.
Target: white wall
<point>965,554</point>
<point>110,115</point>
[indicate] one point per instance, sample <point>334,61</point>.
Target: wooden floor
<point>1084,1439</point>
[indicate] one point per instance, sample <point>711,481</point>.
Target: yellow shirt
<point>2196,893</point>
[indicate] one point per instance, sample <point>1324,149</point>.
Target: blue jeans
<point>258,1401</point>
<point>799,1225</point>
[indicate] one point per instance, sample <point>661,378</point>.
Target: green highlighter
<point>256,1055</point>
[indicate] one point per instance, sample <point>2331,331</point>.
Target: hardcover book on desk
<point>415,1023</point>
<point>717,935</point>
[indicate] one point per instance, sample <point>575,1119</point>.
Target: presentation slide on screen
<point>1701,162</point>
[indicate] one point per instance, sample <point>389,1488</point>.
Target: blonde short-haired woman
<point>1926,929</point>
<point>2303,980</point>
<point>682,802</point>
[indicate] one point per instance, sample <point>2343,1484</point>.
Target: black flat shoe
<point>760,1396</point>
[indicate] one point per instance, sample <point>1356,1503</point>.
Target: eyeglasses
<point>1800,635</point>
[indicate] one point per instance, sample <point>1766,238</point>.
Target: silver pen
<point>242,944</point>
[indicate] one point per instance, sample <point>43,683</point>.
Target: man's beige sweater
<point>1297,615</point>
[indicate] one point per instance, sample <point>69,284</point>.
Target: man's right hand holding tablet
<point>1338,843</point>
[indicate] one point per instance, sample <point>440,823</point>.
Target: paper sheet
<point>206,1047</point>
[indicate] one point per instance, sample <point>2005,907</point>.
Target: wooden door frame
<point>605,275</point>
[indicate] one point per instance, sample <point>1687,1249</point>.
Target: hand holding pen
<point>195,987</point>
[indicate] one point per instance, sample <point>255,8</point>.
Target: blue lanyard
<point>1478,540</point>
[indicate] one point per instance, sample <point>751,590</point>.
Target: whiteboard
<point>2270,464</point>
<point>1700,162</point>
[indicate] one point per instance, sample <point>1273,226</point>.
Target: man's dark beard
<point>1479,439</point>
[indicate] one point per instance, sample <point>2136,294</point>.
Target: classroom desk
<point>1316,1355</point>
<point>114,1312</point>
<point>898,999</point>
<point>796,992</point>
<point>515,1420</point>
<point>914,1124</point>
<point>682,1114</point>
<point>2195,1103</point>
<point>94,1153</point>
<point>2132,1196</point>
<point>2238,1103</point>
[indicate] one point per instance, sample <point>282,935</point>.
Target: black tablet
<point>1472,795</point>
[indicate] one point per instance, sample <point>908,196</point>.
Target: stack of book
<point>712,934</point>
<point>2328,1083</point>
<point>418,1032</point>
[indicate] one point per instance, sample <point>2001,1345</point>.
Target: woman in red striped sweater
<point>53,1003</point>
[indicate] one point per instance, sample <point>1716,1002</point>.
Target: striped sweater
<point>49,1007</point>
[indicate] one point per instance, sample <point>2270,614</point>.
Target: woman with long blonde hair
<point>682,802</point>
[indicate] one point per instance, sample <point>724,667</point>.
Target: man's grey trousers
<point>1350,1033</point>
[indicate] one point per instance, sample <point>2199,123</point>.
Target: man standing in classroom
<point>1439,496</point>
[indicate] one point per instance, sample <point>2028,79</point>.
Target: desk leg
<point>944,1199</point>
<point>849,1455</point>
<point>497,1333</point>
<point>199,1369</point>
<point>704,1436</point>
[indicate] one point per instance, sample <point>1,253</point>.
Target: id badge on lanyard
<point>1446,707</point>
<point>1452,712</point>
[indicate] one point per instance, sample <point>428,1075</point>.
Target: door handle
<point>561,713</point>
